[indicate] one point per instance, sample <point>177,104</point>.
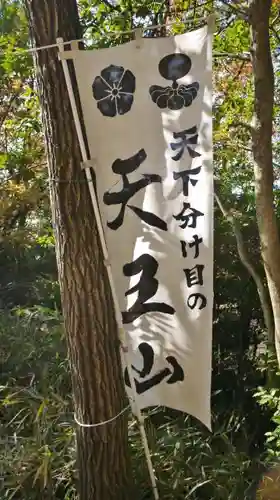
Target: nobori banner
<point>147,110</point>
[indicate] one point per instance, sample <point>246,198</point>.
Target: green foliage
<point>37,455</point>
<point>269,397</point>
<point>22,163</point>
<point>193,464</point>
<point>37,434</point>
<point>28,274</point>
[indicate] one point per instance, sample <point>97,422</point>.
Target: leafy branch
<point>242,13</point>
<point>245,56</point>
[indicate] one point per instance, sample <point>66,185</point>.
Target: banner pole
<point>122,332</point>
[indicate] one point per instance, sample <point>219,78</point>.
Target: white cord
<point>111,33</point>
<point>101,423</point>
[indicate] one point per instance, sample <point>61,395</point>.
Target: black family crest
<point>113,90</point>
<point>173,67</point>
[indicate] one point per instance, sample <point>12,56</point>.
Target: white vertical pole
<point>122,332</point>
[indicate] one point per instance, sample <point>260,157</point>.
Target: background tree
<point>262,130</point>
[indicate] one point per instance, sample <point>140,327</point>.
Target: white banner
<point>147,108</point>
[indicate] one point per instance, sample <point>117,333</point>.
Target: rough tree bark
<point>103,459</point>
<point>259,14</point>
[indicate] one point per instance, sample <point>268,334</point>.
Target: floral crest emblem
<point>173,67</point>
<point>113,90</point>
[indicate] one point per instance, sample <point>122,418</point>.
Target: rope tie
<point>104,422</point>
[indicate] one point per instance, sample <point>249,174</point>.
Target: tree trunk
<point>103,458</point>
<point>262,152</point>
